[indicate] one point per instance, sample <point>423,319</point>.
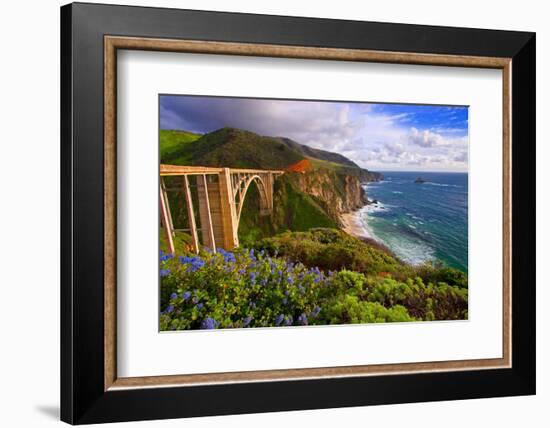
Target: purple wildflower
<point>302,319</point>
<point>246,321</point>
<point>315,311</point>
<point>228,257</point>
<point>196,264</point>
<point>186,295</point>
<point>193,263</point>
<point>169,309</point>
<point>199,306</point>
<point>184,260</point>
<point>208,324</point>
<point>279,319</point>
<point>164,272</point>
<point>173,296</point>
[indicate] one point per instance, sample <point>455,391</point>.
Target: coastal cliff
<point>337,192</point>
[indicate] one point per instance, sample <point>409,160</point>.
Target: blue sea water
<point>421,222</point>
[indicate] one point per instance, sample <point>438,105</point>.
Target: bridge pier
<point>209,211</point>
<point>228,211</point>
<point>191,215</point>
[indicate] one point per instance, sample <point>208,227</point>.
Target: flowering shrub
<point>245,288</point>
<point>336,250</point>
<point>250,288</point>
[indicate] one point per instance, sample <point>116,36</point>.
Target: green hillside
<point>301,200</point>
<point>237,148</point>
<point>323,155</point>
<point>232,148</point>
<point>174,143</point>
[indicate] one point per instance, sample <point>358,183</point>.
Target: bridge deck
<point>174,170</point>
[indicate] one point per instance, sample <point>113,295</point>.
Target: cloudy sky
<point>391,137</point>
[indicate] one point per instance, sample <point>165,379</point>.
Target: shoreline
<point>352,224</point>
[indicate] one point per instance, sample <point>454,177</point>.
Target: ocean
<point>420,222</point>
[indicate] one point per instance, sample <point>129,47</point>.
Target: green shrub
<point>351,310</point>
<point>250,288</point>
<point>436,273</point>
<point>331,249</point>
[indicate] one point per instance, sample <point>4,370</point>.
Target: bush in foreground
<point>250,288</point>
<point>333,249</point>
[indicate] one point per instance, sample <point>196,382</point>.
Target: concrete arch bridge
<point>221,194</point>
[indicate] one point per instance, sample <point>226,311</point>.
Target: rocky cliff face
<point>335,192</point>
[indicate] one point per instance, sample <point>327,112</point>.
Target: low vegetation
<point>265,287</point>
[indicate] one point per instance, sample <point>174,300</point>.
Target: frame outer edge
<point>66,147</point>
<point>524,215</point>
<point>82,401</point>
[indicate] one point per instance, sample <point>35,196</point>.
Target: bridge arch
<point>221,194</point>
<point>242,190</point>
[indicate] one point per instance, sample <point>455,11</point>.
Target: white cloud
<point>378,141</point>
<point>373,139</point>
<point>461,157</point>
<point>425,138</point>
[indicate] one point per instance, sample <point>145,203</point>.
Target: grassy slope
<point>173,144</point>
<point>238,148</point>
<point>182,242</point>
<point>313,153</point>
<point>242,149</point>
<point>332,249</point>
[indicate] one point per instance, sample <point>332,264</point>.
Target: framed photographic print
<point>266,213</point>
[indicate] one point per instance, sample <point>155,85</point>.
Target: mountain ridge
<point>238,148</point>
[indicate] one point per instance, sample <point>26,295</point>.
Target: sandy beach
<point>352,224</point>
